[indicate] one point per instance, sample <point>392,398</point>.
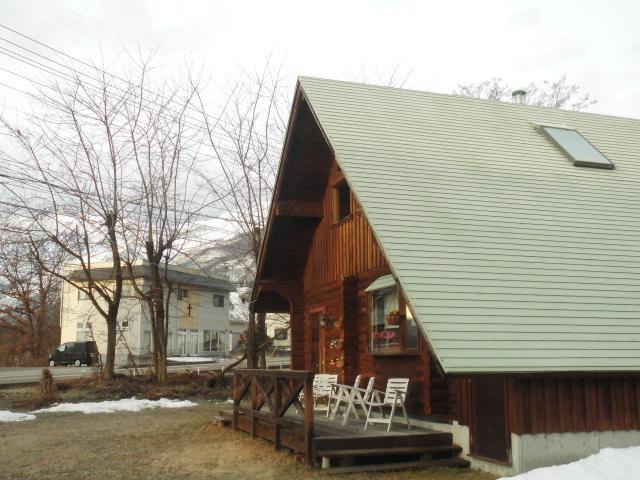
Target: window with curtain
<point>392,327</point>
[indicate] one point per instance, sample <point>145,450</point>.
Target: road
<point>26,375</point>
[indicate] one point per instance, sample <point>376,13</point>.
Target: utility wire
<point>111,75</point>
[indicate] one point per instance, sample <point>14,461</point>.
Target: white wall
<point>540,450</point>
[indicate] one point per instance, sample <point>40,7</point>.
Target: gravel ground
<point>156,444</point>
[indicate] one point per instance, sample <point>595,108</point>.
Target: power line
<point>94,67</point>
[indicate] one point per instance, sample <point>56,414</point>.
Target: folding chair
<point>358,398</point>
<point>340,393</point>
<point>393,397</point>
<point>322,387</point>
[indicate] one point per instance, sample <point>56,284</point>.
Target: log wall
<point>565,403</point>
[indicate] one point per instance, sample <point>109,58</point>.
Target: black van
<point>74,353</point>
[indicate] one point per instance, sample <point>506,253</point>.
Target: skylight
<point>577,148</point>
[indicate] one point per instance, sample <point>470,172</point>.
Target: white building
<point>198,314</point>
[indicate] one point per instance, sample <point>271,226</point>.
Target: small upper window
<point>577,148</point>
<point>183,293</point>
<point>341,201</point>
<point>218,300</point>
<point>280,334</point>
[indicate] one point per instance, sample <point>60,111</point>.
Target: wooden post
<point>251,341</point>
<point>261,338</point>
<point>308,419</point>
<point>237,382</point>
<point>254,402</point>
<point>277,404</point>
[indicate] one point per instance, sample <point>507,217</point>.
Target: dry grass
<point>158,444</point>
<point>204,386</point>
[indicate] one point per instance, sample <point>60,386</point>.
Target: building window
<point>212,341</point>
<point>218,300</point>
<point>341,201</point>
<point>183,293</point>
<point>83,295</point>
<point>146,340</point>
<point>281,334</point>
<point>393,329</point>
<point>124,324</point>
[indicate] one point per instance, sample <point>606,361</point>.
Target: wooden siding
<point>561,404</point>
<point>344,259</point>
<point>588,404</point>
<point>342,248</point>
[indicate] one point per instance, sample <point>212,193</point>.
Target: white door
<point>193,341</point>
<point>182,342</point>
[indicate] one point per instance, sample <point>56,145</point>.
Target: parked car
<point>74,353</point>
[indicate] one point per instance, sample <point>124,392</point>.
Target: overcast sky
<point>442,44</point>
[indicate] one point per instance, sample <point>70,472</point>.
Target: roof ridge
<point>302,78</point>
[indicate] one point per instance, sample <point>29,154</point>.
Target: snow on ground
<point>110,406</point>
<point>190,359</point>
<point>7,416</point>
<point>607,464</point>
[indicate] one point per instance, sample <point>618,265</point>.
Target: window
<point>82,295</point>
<point>183,293</point>
<point>124,324</point>
<point>341,201</point>
<point>281,334</point>
<point>393,329</point>
<point>146,340</point>
<point>218,300</point>
<point>577,148</point>
<point>206,340</point>
<point>212,341</point>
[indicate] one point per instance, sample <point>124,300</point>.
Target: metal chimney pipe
<point>518,96</point>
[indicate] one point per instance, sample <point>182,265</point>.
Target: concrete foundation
<point>541,450</point>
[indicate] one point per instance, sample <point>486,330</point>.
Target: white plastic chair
<point>322,387</point>
<point>393,397</point>
<point>358,398</point>
<point>340,394</point>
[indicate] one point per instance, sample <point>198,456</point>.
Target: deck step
<point>369,452</point>
<point>431,439</point>
<point>382,467</point>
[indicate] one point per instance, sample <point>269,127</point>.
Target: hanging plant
<point>394,317</point>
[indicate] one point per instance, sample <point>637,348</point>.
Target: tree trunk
<point>161,359</point>
<point>109,365</point>
<point>159,313</point>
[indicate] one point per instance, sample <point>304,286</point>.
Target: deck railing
<point>266,396</point>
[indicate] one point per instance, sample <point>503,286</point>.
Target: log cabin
<point>488,251</point>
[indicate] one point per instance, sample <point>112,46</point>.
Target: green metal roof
<point>512,258</point>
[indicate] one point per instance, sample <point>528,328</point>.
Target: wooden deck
<point>265,413</point>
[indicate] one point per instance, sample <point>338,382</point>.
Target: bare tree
<point>75,158</point>
<point>554,94</point>
<point>164,198</point>
<point>30,304</point>
<point>247,137</point>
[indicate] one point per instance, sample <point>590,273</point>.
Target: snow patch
<point>190,359</point>
<point>7,416</point>
<point>111,406</point>
<point>608,463</point>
